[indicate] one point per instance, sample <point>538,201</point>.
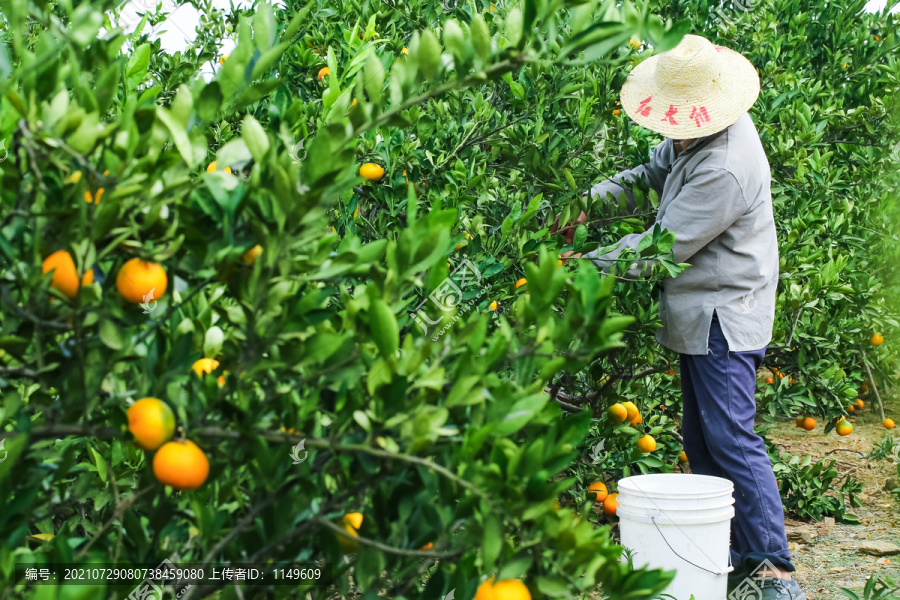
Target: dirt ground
<point>831,556</point>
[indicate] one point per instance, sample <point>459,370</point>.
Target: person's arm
<point>710,201</point>
<point>653,171</point>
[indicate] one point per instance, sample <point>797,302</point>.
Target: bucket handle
<point>653,520</point>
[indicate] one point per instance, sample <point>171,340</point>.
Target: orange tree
<point>828,122</point>
<point>352,374</point>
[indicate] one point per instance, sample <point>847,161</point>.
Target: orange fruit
<point>371,171</point>
<point>181,464</point>
<point>427,546</point>
<point>646,444</point>
<point>616,111</point>
<point>769,380</point>
<point>843,427</point>
<point>510,589</point>
<point>521,282</point>
<point>151,422</point>
<point>355,519</point>
<point>682,457</point>
<point>348,545</point>
<point>864,389</point>
<point>598,488</point>
<point>851,408</point>
<point>203,366</point>
<point>252,254</point>
<point>211,167</point>
<point>323,72</point>
<point>494,305</point>
<point>888,423</point>
<point>223,59</point>
<point>877,339</point>
<point>137,278</point>
<point>207,365</point>
<point>636,420</point>
<point>859,403</point>
<point>799,422</point>
<point>404,50</point>
<point>610,504</point>
<point>65,278</point>
<point>91,199</point>
<point>618,413</point>
<point>671,372</point>
<point>781,376</point>
<point>809,424</point>
<point>631,411</point>
<point>485,591</point>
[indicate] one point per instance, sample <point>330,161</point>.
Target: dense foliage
<point>367,328</point>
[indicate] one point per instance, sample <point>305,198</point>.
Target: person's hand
<point>569,229</point>
<point>566,255</point>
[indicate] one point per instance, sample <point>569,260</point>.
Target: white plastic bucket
<point>679,522</point>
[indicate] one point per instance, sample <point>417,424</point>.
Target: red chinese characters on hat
<point>645,107</point>
<point>699,115</point>
<point>670,115</point>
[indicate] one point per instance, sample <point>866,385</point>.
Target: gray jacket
<point>716,198</point>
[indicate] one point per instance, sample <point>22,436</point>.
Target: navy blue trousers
<point>717,426</point>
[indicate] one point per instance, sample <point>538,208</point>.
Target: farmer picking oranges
<point>713,181</point>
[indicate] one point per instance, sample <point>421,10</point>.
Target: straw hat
<point>693,90</point>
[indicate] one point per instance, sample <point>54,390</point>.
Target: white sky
<point>877,5</point>
<point>179,30</point>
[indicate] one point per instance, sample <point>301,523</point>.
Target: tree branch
<point>872,381</point>
<point>383,547</point>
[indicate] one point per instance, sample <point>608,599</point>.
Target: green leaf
<point>267,59</point>
<point>429,55</point>
<point>179,136</point>
<point>580,238</point>
<point>492,539</point>
<point>99,462</point>
<point>514,27</point>
<point>383,324</point>
<point>234,153</point>
<point>136,67</point>
<point>210,102</point>
<point>212,342</point>
<point>255,137</point>
<point>553,586</point>
<point>14,446</point>
<point>481,37</point>
<point>263,26</point>
<point>374,73</point>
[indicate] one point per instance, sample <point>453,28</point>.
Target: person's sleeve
<point>710,201</point>
<point>653,171</point>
